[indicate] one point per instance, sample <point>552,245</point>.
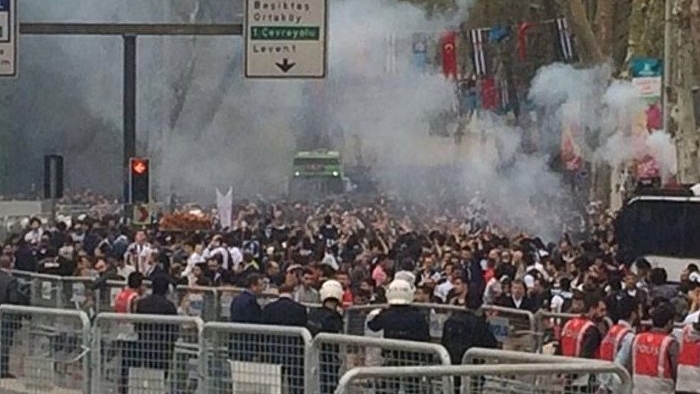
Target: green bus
<point>316,173</point>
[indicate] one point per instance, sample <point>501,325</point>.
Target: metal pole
<point>667,63</point>
<point>129,108</point>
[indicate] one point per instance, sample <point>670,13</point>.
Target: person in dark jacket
<point>327,319</point>
<point>246,309</point>
<point>156,341</point>
<point>404,322</point>
<point>288,351</point>
<point>9,294</point>
<point>518,298</point>
<point>463,331</point>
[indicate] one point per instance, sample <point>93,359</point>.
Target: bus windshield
<point>661,227</point>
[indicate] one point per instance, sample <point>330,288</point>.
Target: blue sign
<point>4,5</point>
<point>646,67</point>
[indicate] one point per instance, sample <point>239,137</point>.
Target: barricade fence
<point>514,329</point>
<point>45,349</point>
<point>495,383</point>
<point>57,350</point>
<point>333,354</point>
<point>467,378</point>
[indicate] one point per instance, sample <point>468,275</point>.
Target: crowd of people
<point>342,253</point>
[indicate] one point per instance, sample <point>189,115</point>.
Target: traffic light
<point>53,177</point>
<point>139,182</point>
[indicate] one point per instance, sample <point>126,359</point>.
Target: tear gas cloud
<point>206,126</point>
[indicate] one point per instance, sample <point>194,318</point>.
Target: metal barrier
<point>145,353</point>
<point>516,329</point>
<point>107,295</point>
<point>332,354</point>
<point>549,325</point>
<point>490,356</point>
<point>198,301</point>
<point>251,359</point>
<point>348,383</point>
<point>44,349</point>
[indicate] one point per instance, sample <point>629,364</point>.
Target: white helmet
<point>331,289</point>
<point>408,276</point>
<point>400,292</point>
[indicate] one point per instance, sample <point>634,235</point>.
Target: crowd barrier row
<point>50,350</point>
<point>515,329</point>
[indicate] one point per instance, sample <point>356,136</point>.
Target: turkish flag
<point>489,93</point>
<point>449,54</point>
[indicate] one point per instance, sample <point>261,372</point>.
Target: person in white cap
<point>327,319</point>
<point>401,320</point>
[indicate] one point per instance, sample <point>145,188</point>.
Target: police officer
<point>688,380</point>
<point>465,330</point>
<point>617,343</point>
<point>401,321</point>
<point>581,337</point>
<point>289,352</point>
<point>655,355</point>
<point>329,320</point>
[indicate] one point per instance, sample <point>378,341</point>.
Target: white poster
<point>224,207</point>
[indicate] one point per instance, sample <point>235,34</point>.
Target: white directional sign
<point>8,38</point>
<point>285,38</point>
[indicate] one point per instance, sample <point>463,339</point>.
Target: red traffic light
<point>139,166</point>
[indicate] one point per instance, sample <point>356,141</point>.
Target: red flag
<point>522,39</point>
<point>489,93</point>
<point>449,54</point>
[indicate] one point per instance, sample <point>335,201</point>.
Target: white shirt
<point>443,289</point>
<point>236,257</point>
<point>33,236</point>
<point>208,253</point>
<point>138,254</point>
<point>329,260</point>
<point>125,271</point>
<point>691,318</point>
<point>193,260</point>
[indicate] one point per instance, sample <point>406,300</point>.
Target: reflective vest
<point>613,341</point>
<point>651,368</point>
<point>572,334</point>
<point>122,304</point>
<point>688,379</point>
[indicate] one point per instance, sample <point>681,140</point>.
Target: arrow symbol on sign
<point>285,66</point>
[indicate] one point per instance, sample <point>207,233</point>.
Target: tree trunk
<point>683,112</point>
<point>695,28</point>
<point>588,46</point>
<point>604,26</point>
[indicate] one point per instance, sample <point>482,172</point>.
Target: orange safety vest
<point>124,299</point>
<point>651,368</point>
<point>612,342</point>
<point>688,379</point>
<point>571,340</point>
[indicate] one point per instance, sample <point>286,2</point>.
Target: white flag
<point>224,206</point>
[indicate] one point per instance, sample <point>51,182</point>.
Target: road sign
<point>285,38</point>
<point>8,38</point>
<point>142,215</point>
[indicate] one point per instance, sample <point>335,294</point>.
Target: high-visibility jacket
<point>688,377</point>
<point>613,341</point>
<point>122,304</point>
<point>571,341</point>
<point>651,368</point>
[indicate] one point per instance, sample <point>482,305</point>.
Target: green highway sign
<point>285,38</point>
